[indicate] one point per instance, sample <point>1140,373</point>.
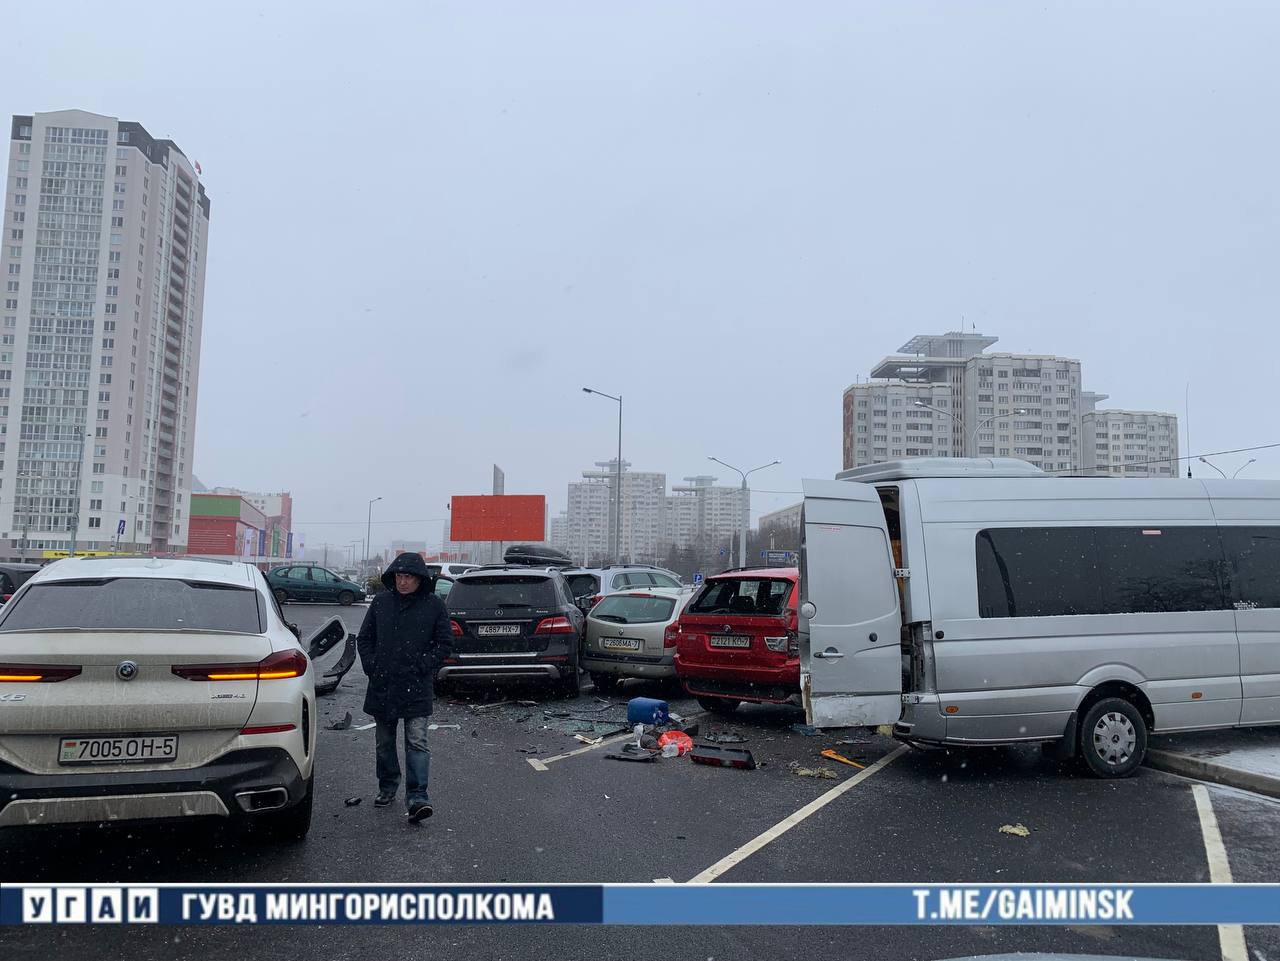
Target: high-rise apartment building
<point>1131,443</point>
<point>698,510</point>
<point>104,249</point>
<point>944,396</point>
<point>587,522</point>
<point>652,520</point>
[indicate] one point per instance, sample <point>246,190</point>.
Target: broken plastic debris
<point>717,756</point>
<point>675,744</point>
<point>352,801</point>
<point>1017,830</point>
<point>725,737</point>
<point>808,730</point>
<point>818,772</point>
<point>444,727</point>
<point>587,740</point>
<point>630,752</point>
<point>341,725</point>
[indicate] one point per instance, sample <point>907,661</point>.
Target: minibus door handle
<point>830,654</point>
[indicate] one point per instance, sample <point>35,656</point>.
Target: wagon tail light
<point>455,628</point>
<point>671,636</point>
<point>37,673</point>
<point>788,642</point>
<point>280,665</point>
<point>554,625</point>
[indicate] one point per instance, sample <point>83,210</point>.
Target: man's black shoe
<point>419,811</point>
<point>382,800</point>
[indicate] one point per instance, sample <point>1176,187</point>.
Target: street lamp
<point>746,513</point>
<point>1251,460</point>
<point>75,518</point>
<point>968,438</point>
<point>1216,467</point>
<point>617,487</point>
<point>368,529</point>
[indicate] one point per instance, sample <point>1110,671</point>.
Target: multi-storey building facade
<point>1131,443</point>
<point>585,528</point>
<point>950,398</point>
<point>103,256</point>
<point>698,510</point>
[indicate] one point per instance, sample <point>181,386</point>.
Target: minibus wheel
<point>1113,738</point>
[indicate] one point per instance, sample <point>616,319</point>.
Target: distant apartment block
<point>944,396</point>
<point>1131,443</point>
<point>103,255</point>
<point>652,519</point>
<point>700,510</point>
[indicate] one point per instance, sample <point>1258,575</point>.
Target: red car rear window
<point>763,596</point>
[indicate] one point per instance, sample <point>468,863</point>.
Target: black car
<point>13,576</point>
<point>513,623</point>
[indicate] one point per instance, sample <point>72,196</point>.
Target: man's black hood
<point>410,563</point>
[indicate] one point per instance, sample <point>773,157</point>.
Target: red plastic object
<point>682,741</point>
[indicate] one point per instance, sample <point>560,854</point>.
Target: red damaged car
<point>736,640</point>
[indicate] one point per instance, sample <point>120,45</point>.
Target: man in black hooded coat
<point>403,641</point>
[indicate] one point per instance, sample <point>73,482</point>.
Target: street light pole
<point>746,511</point>
<point>617,485</point>
<point>75,518</point>
<point>1251,460</point>
<point>368,528</point>
<point>1215,467</point>
<point>966,438</point>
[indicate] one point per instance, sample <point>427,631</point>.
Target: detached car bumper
<point>242,782</point>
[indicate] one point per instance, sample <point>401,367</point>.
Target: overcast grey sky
<point>433,223</point>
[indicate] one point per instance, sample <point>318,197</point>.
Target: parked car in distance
<point>632,634</point>
<point>304,582</point>
<point>737,640</point>
<point>513,624</point>
<point>590,584</point>
<point>13,576</point>
<point>154,689</point>
<point>452,568</point>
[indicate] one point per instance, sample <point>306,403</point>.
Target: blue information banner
<point>643,904</point>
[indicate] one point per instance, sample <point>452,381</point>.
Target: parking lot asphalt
<point>915,817</point>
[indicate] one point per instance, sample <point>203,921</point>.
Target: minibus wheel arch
<point>1121,689</point>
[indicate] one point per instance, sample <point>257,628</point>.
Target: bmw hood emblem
<point>126,670</point>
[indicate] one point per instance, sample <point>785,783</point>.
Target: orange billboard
<point>498,517</point>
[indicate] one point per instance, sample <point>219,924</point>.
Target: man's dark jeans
<point>417,758</point>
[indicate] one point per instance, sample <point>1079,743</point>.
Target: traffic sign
<point>778,558</point>
<point>698,578</point>
<point>120,528</point>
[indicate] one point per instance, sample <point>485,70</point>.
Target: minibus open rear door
<point>850,623</point>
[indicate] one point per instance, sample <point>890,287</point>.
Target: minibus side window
<point>1254,556</point>
<point>1047,571</point>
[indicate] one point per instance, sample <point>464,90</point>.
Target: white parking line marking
<point>787,823</point>
<point>1230,936</point>
<point>540,764</point>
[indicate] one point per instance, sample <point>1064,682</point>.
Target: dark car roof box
<point>537,555</point>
